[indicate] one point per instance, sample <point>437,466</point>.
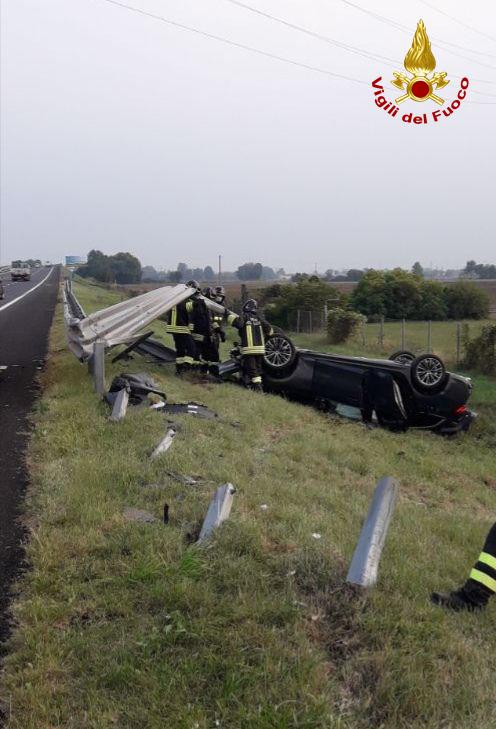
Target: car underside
<point>400,393</point>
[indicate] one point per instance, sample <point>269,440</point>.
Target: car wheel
<point>402,357</point>
<point>428,372</point>
<point>280,354</point>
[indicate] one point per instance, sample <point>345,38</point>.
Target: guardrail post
<point>165,443</point>
<point>365,563</point>
<point>119,409</point>
<point>98,367</point>
<point>218,511</point>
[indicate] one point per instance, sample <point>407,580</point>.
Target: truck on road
<point>20,273</point>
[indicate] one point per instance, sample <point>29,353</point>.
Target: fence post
<point>458,342</point>
<point>310,322</point>
<point>98,367</point>
<point>381,332</point>
<point>298,318</point>
<point>364,338</point>
<point>403,334</point>
<point>429,336</point>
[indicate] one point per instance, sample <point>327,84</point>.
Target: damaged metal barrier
<point>365,563</point>
<point>218,511</point>
<point>119,409</point>
<point>165,443</point>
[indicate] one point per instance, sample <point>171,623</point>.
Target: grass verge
<point>129,625</point>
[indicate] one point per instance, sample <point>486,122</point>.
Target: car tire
<point>280,354</point>
<point>428,373</point>
<point>402,356</point>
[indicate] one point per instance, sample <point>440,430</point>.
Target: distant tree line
<point>399,294</point>
<point>183,272</point>
<point>480,270</point>
<point>122,268</point>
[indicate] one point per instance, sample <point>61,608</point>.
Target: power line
<point>405,29</point>
<point>331,41</point>
<point>456,20</point>
<point>235,44</point>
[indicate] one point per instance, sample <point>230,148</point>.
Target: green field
<point>129,625</point>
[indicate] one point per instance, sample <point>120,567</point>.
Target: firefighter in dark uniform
<point>178,325</point>
<point>253,331</point>
<point>201,328</point>
<point>217,335</point>
<point>481,584</point>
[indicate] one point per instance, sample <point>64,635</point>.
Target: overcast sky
<point>120,132</point>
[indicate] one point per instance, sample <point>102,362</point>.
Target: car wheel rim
<point>278,352</point>
<point>430,372</point>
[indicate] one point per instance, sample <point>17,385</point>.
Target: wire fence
<point>384,336</point>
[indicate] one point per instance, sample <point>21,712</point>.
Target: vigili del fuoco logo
<point>421,83</point>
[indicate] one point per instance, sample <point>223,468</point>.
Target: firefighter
<point>253,330</point>
<point>481,584</point>
<point>218,335</point>
<point>219,296</point>
<point>200,327</point>
<point>178,325</point>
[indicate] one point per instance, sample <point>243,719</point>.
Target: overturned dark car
<point>400,393</point>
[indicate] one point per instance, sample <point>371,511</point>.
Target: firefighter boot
<point>472,596</point>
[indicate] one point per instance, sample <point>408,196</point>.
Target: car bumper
<point>459,424</point>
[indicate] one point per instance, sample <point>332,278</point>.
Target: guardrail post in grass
<point>381,332</point>
<point>119,409</point>
<point>365,563</point>
<point>218,511</point>
<point>165,443</point>
<point>98,367</point>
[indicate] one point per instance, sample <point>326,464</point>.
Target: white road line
<point>6,306</point>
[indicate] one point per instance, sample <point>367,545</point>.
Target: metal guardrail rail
<point>120,323</point>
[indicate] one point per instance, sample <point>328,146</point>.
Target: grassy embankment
<point>128,625</point>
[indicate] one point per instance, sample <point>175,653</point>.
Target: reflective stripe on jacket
<point>253,332</point>
<point>178,322</point>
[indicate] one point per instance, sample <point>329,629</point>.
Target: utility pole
<point>220,271</point>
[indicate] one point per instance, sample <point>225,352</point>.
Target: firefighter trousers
<point>251,365</point>
<point>185,352</point>
<point>483,574</point>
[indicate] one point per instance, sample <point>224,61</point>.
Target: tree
<point>433,305</point>
<point>417,269</point>
<point>249,272</point>
<point>309,294</point>
<point>402,294</point>
<point>354,274</point>
<point>268,273</point>
<point>208,274</point>
<point>465,300</point>
<point>97,267</point>
<point>125,268</point>
<point>369,297</point>
<point>174,276</point>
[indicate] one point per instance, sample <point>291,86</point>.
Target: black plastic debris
<point>191,408</point>
<point>139,386</point>
<point>166,513</point>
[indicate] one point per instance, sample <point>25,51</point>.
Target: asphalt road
<point>25,320</point>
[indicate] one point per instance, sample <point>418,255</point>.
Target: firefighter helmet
<point>194,285</point>
<point>209,292</point>
<point>250,306</point>
<point>220,294</point>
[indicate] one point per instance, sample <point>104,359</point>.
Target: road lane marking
<point>6,306</point>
